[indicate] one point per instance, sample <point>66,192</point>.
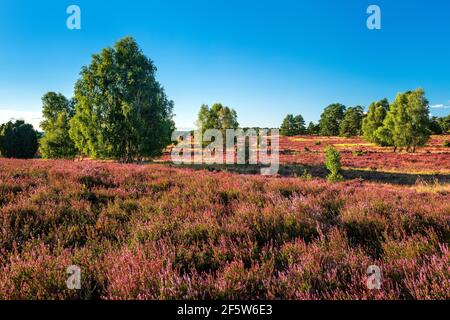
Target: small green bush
<point>358,153</point>
<point>306,175</point>
<point>446,144</point>
<point>333,164</point>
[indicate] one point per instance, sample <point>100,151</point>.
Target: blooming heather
<point>159,232</point>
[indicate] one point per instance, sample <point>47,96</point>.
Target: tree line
<point>405,123</point>
<point>335,120</point>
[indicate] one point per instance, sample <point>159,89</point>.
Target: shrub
<point>306,175</point>
<point>446,144</point>
<point>333,164</point>
<point>358,153</point>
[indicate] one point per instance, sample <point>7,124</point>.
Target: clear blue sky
<point>263,58</point>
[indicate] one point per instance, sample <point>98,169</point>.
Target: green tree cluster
<point>293,125</point>
<point>374,119</point>
<point>18,140</point>
<point>119,110</point>
<point>439,125</point>
<point>313,128</point>
<point>337,119</point>
<point>331,118</point>
<point>217,117</point>
<point>352,121</point>
<point>407,123</point>
<point>57,111</point>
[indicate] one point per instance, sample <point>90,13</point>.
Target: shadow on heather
<point>310,171</point>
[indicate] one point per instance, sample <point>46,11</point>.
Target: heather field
<point>360,160</point>
<point>160,232</point>
<point>356,153</point>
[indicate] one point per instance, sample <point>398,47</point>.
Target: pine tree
<point>330,119</point>
<point>313,128</point>
<point>351,123</point>
<point>292,125</point>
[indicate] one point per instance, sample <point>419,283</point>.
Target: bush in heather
<point>333,164</point>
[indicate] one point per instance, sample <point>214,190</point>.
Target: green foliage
<point>330,119</point>
<point>444,123</point>
<point>18,140</point>
<point>446,144</point>
<point>293,125</point>
<point>122,112</point>
<point>57,111</point>
<point>352,121</point>
<point>374,119</point>
<point>383,137</point>
<point>407,124</point>
<point>358,153</point>
<point>313,128</point>
<point>435,126</point>
<point>217,117</point>
<point>333,164</point>
<point>306,175</point>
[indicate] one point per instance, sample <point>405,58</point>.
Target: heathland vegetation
<point>164,231</point>
<point>161,232</point>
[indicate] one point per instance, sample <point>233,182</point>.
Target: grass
<point>433,187</point>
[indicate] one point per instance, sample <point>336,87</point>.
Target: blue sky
<point>263,58</point>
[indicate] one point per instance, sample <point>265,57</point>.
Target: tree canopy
<point>351,123</point>
<point>121,111</point>
<point>313,128</point>
<point>18,140</point>
<point>374,119</point>
<point>331,118</point>
<point>444,123</point>
<point>293,125</point>
<point>57,110</point>
<point>407,123</point>
<point>435,126</point>
<point>217,117</point>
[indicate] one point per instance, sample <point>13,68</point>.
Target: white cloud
<point>440,106</point>
<point>28,116</point>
